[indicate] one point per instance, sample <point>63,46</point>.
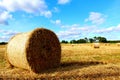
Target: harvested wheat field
<point>78,62</point>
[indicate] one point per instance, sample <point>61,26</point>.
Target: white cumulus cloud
<point>108,29</point>
<point>23,5</point>
<point>4,16</point>
<point>47,14</point>
<point>4,38</point>
<point>33,7</point>
<point>96,18</point>
<point>105,30</point>
<point>74,31</point>
<point>63,1</point>
<point>7,34</point>
<point>55,9</point>
<point>10,33</point>
<point>56,22</point>
<point>118,27</point>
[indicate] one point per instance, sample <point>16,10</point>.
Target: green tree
<point>102,39</point>
<point>73,41</point>
<point>95,38</point>
<point>81,41</point>
<point>86,39</point>
<point>3,43</point>
<point>91,40</point>
<point>63,41</point>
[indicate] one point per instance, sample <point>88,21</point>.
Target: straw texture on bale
<point>96,45</point>
<point>37,50</point>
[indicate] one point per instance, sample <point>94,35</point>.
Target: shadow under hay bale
<point>36,51</point>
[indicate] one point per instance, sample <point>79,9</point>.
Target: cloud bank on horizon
<point>69,19</point>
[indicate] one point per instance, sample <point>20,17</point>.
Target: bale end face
<point>44,50</point>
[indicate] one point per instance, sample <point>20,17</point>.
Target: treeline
<point>113,41</point>
<point>91,40</point>
<point>3,43</point>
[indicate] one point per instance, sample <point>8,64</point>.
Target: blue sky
<point>69,19</point>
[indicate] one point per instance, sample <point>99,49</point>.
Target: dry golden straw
<point>37,50</point>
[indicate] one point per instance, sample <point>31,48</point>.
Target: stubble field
<point>78,62</point>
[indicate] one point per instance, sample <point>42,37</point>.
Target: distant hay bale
<point>106,44</point>
<point>118,44</point>
<point>96,45</point>
<point>36,51</point>
<point>72,44</point>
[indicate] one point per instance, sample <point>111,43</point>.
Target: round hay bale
<point>37,50</point>
<point>96,45</point>
<point>118,44</point>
